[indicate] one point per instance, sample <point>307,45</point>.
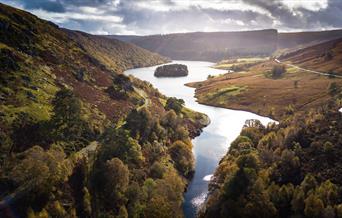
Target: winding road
<point>310,71</point>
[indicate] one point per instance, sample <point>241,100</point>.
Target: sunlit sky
<point>144,17</point>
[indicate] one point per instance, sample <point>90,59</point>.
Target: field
<point>239,63</point>
<point>255,91</point>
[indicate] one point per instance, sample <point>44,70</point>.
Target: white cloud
<point>312,5</point>
<point>64,17</point>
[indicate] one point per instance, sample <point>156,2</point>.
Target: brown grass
<point>266,96</point>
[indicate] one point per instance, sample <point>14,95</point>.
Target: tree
<point>120,88</point>
<point>309,183</point>
<point>118,143</point>
<point>297,203</point>
<point>278,71</point>
<point>157,170</point>
<point>140,123</point>
<point>313,206</point>
<point>181,154</point>
<point>39,171</point>
<point>239,140</point>
<point>174,104</point>
<point>288,168</point>
<point>67,124</point>
<point>334,89</point>
<point>245,176</point>
<point>116,177</point>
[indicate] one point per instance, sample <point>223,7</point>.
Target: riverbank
<point>213,142</point>
<point>255,91</point>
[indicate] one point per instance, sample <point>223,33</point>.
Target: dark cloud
<point>53,6</point>
<point>165,16</point>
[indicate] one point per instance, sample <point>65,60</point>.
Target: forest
<point>287,170</point>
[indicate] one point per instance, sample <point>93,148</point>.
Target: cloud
<point>167,16</point>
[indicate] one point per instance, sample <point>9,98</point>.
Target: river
<point>215,139</point>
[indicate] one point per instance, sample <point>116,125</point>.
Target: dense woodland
<point>288,170</point>
<point>79,139</point>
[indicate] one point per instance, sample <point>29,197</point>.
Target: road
<point>310,71</point>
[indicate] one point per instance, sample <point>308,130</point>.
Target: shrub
<point>174,104</point>
<point>278,71</point>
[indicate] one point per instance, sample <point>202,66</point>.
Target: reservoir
<point>215,139</point>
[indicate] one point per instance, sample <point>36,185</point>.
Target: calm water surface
<point>215,139</point>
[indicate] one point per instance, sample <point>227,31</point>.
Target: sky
<point>146,17</point>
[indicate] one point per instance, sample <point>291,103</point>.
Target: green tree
<point>118,143</point>
<point>140,124</point>
<point>181,154</point>
<point>116,177</point>
<point>174,104</point>
<point>67,124</point>
<point>39,171</point>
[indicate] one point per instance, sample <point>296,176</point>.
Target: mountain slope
<point>210,46</point>
<point>126,55</point>
<point>216,46</point>
<point>292,40</point>
<point>325,57</point>
<point>78,138</point>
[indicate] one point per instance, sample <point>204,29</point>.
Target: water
<point>215,139</point>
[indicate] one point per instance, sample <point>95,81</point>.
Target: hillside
<point>119,56</point>
<point>290,169</point>
<point>216,46</point>
<point>324,57</point>
<point>209,46</point>
<point>257,87</point>
<point>292,40</point>
<point>78,138</point>
<point>286,170</point>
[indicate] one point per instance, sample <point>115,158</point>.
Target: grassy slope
<point>43,52</point>
<point>324,57</point>
<point>254,91</point>
<point>37,58</point>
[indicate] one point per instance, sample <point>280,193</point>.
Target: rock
<point>171,70</point>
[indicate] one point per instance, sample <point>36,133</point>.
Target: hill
<point>286,170</point>
<point>295,39</point>
<point>256,86</point>
<point>78,138</point>
<point>324,57</point>
<point>208,46</point>
<point>216,46</point>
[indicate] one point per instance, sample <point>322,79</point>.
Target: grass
<point>220,95</point>
<point>252,91</point>
<point>239,62</point>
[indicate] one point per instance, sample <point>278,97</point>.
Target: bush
<point>174,104</point>
<point>278,71</point>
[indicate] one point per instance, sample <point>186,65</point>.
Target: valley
<point>208,124</point>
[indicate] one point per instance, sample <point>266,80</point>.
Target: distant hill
<point>291,40</point>
<point>207,46</point>
<point>325,57</point>
<point>215,46</point>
